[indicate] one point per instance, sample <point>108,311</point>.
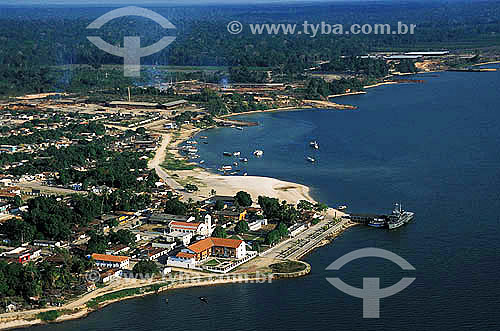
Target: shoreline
<point>283,190</point>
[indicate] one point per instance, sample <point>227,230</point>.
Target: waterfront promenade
<point>307,240</point>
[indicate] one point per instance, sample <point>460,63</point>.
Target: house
<point>109,275</point>
<point>111,261</point>
<point>159,218</point>
<point>170,126</point>
<point>204,229</point>
<point>18,255</point>
<point>257,225</point>
<point>220,247</point>
<point>296,229</point>
<point>118,249</point>
<point>181,237</point>
<point>47,243</point>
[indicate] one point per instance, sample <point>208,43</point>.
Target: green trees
<point>304,205</point>
<point>282,229</point>
<point>175,207</point>
<point>273,237</point>
<point>243,199</point>
<point>124,237</point>
<point>320,206</point>
<point>97,243</point>
<point>191,188</point>
<point>219,232</point>
<point>241,227</point>
<point>219,205</point>
<point>274,210</point>
<point>145,267</point>
<point>270,207</point>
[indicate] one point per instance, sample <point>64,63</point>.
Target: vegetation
<point>49,316</point>
<point>243,199</point>
<point>241,227</point>
<point>146,267</point>
<point>287,267</point>
<point>219,232</point>
<point>172,163</point>
<point>175,207</point>
<point>94,303</point>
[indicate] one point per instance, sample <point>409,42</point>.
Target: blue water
<point>432,146</point>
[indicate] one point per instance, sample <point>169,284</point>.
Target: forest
<point>42,47</point>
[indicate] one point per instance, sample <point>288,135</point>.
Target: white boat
<point>342,207</point>
<point>314,144</point>
<point>203,137</point>
<point>202,161</point>
<point>310,159</point>
<point>225,168</point>
<point>191,142</point>
<point>236,153</point>
<point>192,150</point>
<point>243,159</point>
<point>235,164</point>
<point>258,153</point>
<point>239,128</point>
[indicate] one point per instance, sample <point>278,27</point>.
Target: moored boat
<point>258,153</point>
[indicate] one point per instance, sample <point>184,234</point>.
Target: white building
<point>195,228</point>
<point>257,225</point>
<point>111,261</point>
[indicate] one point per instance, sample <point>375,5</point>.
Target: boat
<point>243,159</point>
<point>205,142</point>
<point>227,167</point>
<point>311,159</point>
<point>245,174</point>
<point>399,217</point>
<point>258,153</point>
<point>236,153</point>
<point>191,142</point>
<point>227,154</point>
<point>235,164</point>
<point>192,150</point>
<point>203,299</point>
<point>203,137</point>
<point>342,207</point>
<point>377,223</point>
<point>202,161</point>
<point>314,144</point>
<point>166,301</point>
<point>239,128</point>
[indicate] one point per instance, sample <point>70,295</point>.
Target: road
<point>156,162</point>
<point>295,248</point>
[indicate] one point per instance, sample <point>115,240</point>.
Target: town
<point>100,189</point>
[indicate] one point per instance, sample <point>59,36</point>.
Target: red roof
<point>185,255</point>
<point>207,243</point>
<point>185,225</point>
<point>109,258</point>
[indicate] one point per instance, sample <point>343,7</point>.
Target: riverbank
<point>224,185</point>
<point>206,180</point>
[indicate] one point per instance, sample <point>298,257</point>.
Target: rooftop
<point>109,258</point>
<point>207,243</point>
